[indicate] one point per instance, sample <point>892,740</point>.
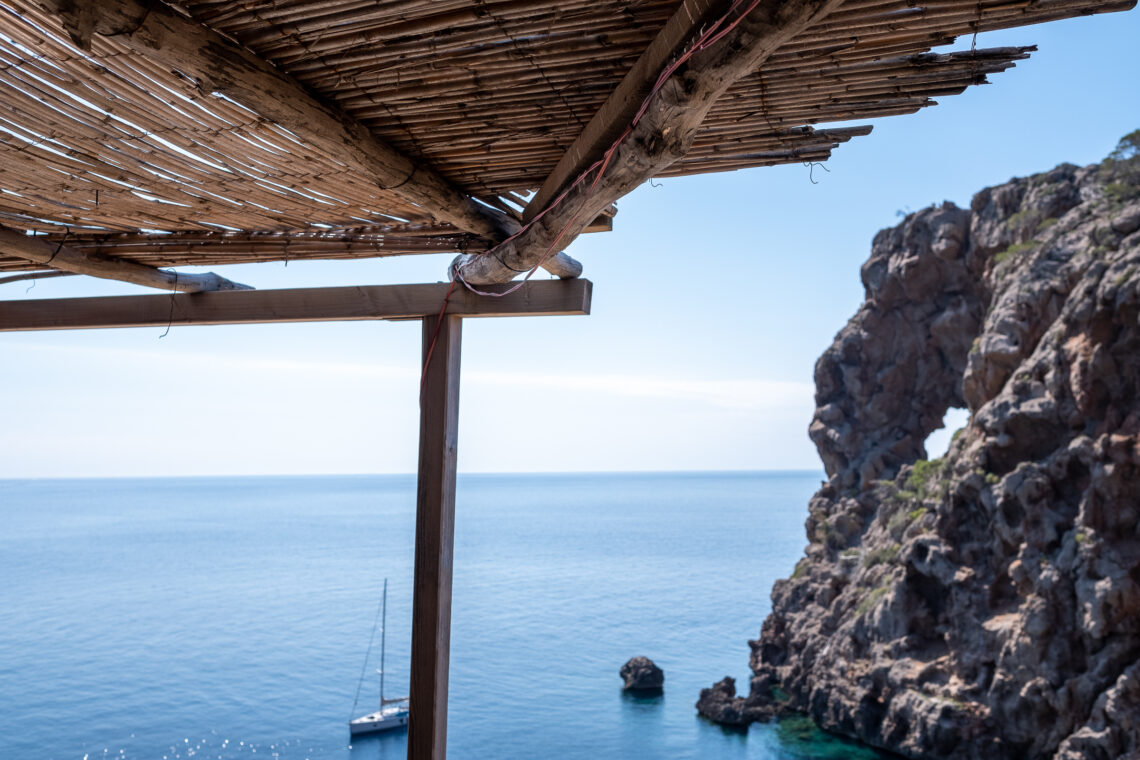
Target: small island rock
<point>720,704</point>
<point>641,674</point>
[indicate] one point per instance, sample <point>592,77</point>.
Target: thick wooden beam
<point>663,134</point>
<point>544,297</point>
<point>622,104</point>
<point>218,65</point>
<point>604,221</point>
<point>34,276</point>
<point>435,539</point>
<point>61,256</point>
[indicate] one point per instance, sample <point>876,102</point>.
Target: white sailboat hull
<point>393,713</point>
<point>384,720</point>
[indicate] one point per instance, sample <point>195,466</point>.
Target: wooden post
<point>435,534</point>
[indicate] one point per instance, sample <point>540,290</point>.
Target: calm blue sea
<point>221,618</point>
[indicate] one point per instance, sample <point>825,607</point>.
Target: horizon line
<point>804,471</point>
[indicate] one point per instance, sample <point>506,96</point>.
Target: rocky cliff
<point>986,604</point>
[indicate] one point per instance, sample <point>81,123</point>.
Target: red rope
<point>435,335</point>
<point>711,36</point>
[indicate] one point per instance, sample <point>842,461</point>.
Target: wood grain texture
<point>662,137</point>
<point>435,538</point>
<point>61,256</point>
<point>545,297</point>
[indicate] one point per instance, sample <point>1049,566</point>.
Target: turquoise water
<point>221,618</point>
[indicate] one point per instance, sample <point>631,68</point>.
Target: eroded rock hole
<point>938,442</point>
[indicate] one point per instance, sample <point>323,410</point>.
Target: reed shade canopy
<point>411,126</point>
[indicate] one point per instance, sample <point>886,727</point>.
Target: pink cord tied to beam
<point>709,37</point>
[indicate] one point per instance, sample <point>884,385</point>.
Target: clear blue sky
<point>713,297</point>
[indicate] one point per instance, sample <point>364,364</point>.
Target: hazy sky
<point>713,297</point>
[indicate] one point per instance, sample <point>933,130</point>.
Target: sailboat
<point>393,713</point>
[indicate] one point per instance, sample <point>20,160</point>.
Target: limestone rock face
<point>642,674</point>
<point>985,605</point>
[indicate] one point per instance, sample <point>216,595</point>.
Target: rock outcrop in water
<point>642,674</point>
<point>985,605</point>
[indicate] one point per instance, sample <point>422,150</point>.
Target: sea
<point>231,618</point>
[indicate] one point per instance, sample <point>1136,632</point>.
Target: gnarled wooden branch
<point>34,276</point>
<point>59,256</point>
<point>662,136</point>
<point>622,104</point>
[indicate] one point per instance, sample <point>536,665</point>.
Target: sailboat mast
<point>383,633</point>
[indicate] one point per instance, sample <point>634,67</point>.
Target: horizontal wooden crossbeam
<point>66,258</point>
<point>543,298</point>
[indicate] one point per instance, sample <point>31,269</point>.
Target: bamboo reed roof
<point>121,156</point>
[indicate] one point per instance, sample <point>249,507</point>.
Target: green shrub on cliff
<point>872,599</point>
<point>1127,149</point>
<point>881,555</point>
<point>927,478</point>
<point>1003,256</point>
<point>898,522</point>
<point>1023,218</point>
<point>1121,169</point>
<point>1029,221</point>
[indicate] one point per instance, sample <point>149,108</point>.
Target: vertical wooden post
<point>435,533</point>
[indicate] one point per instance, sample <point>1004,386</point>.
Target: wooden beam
<point>230,247</point>
<point>604,222</point>
<point>544,297</point>
<point>435,539</point>
<point>662,136</point>
<point>622,104</point>
<point>61,256</point>
<point>34,276</point>
<point>218,65</point>
<point>561,265</point>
